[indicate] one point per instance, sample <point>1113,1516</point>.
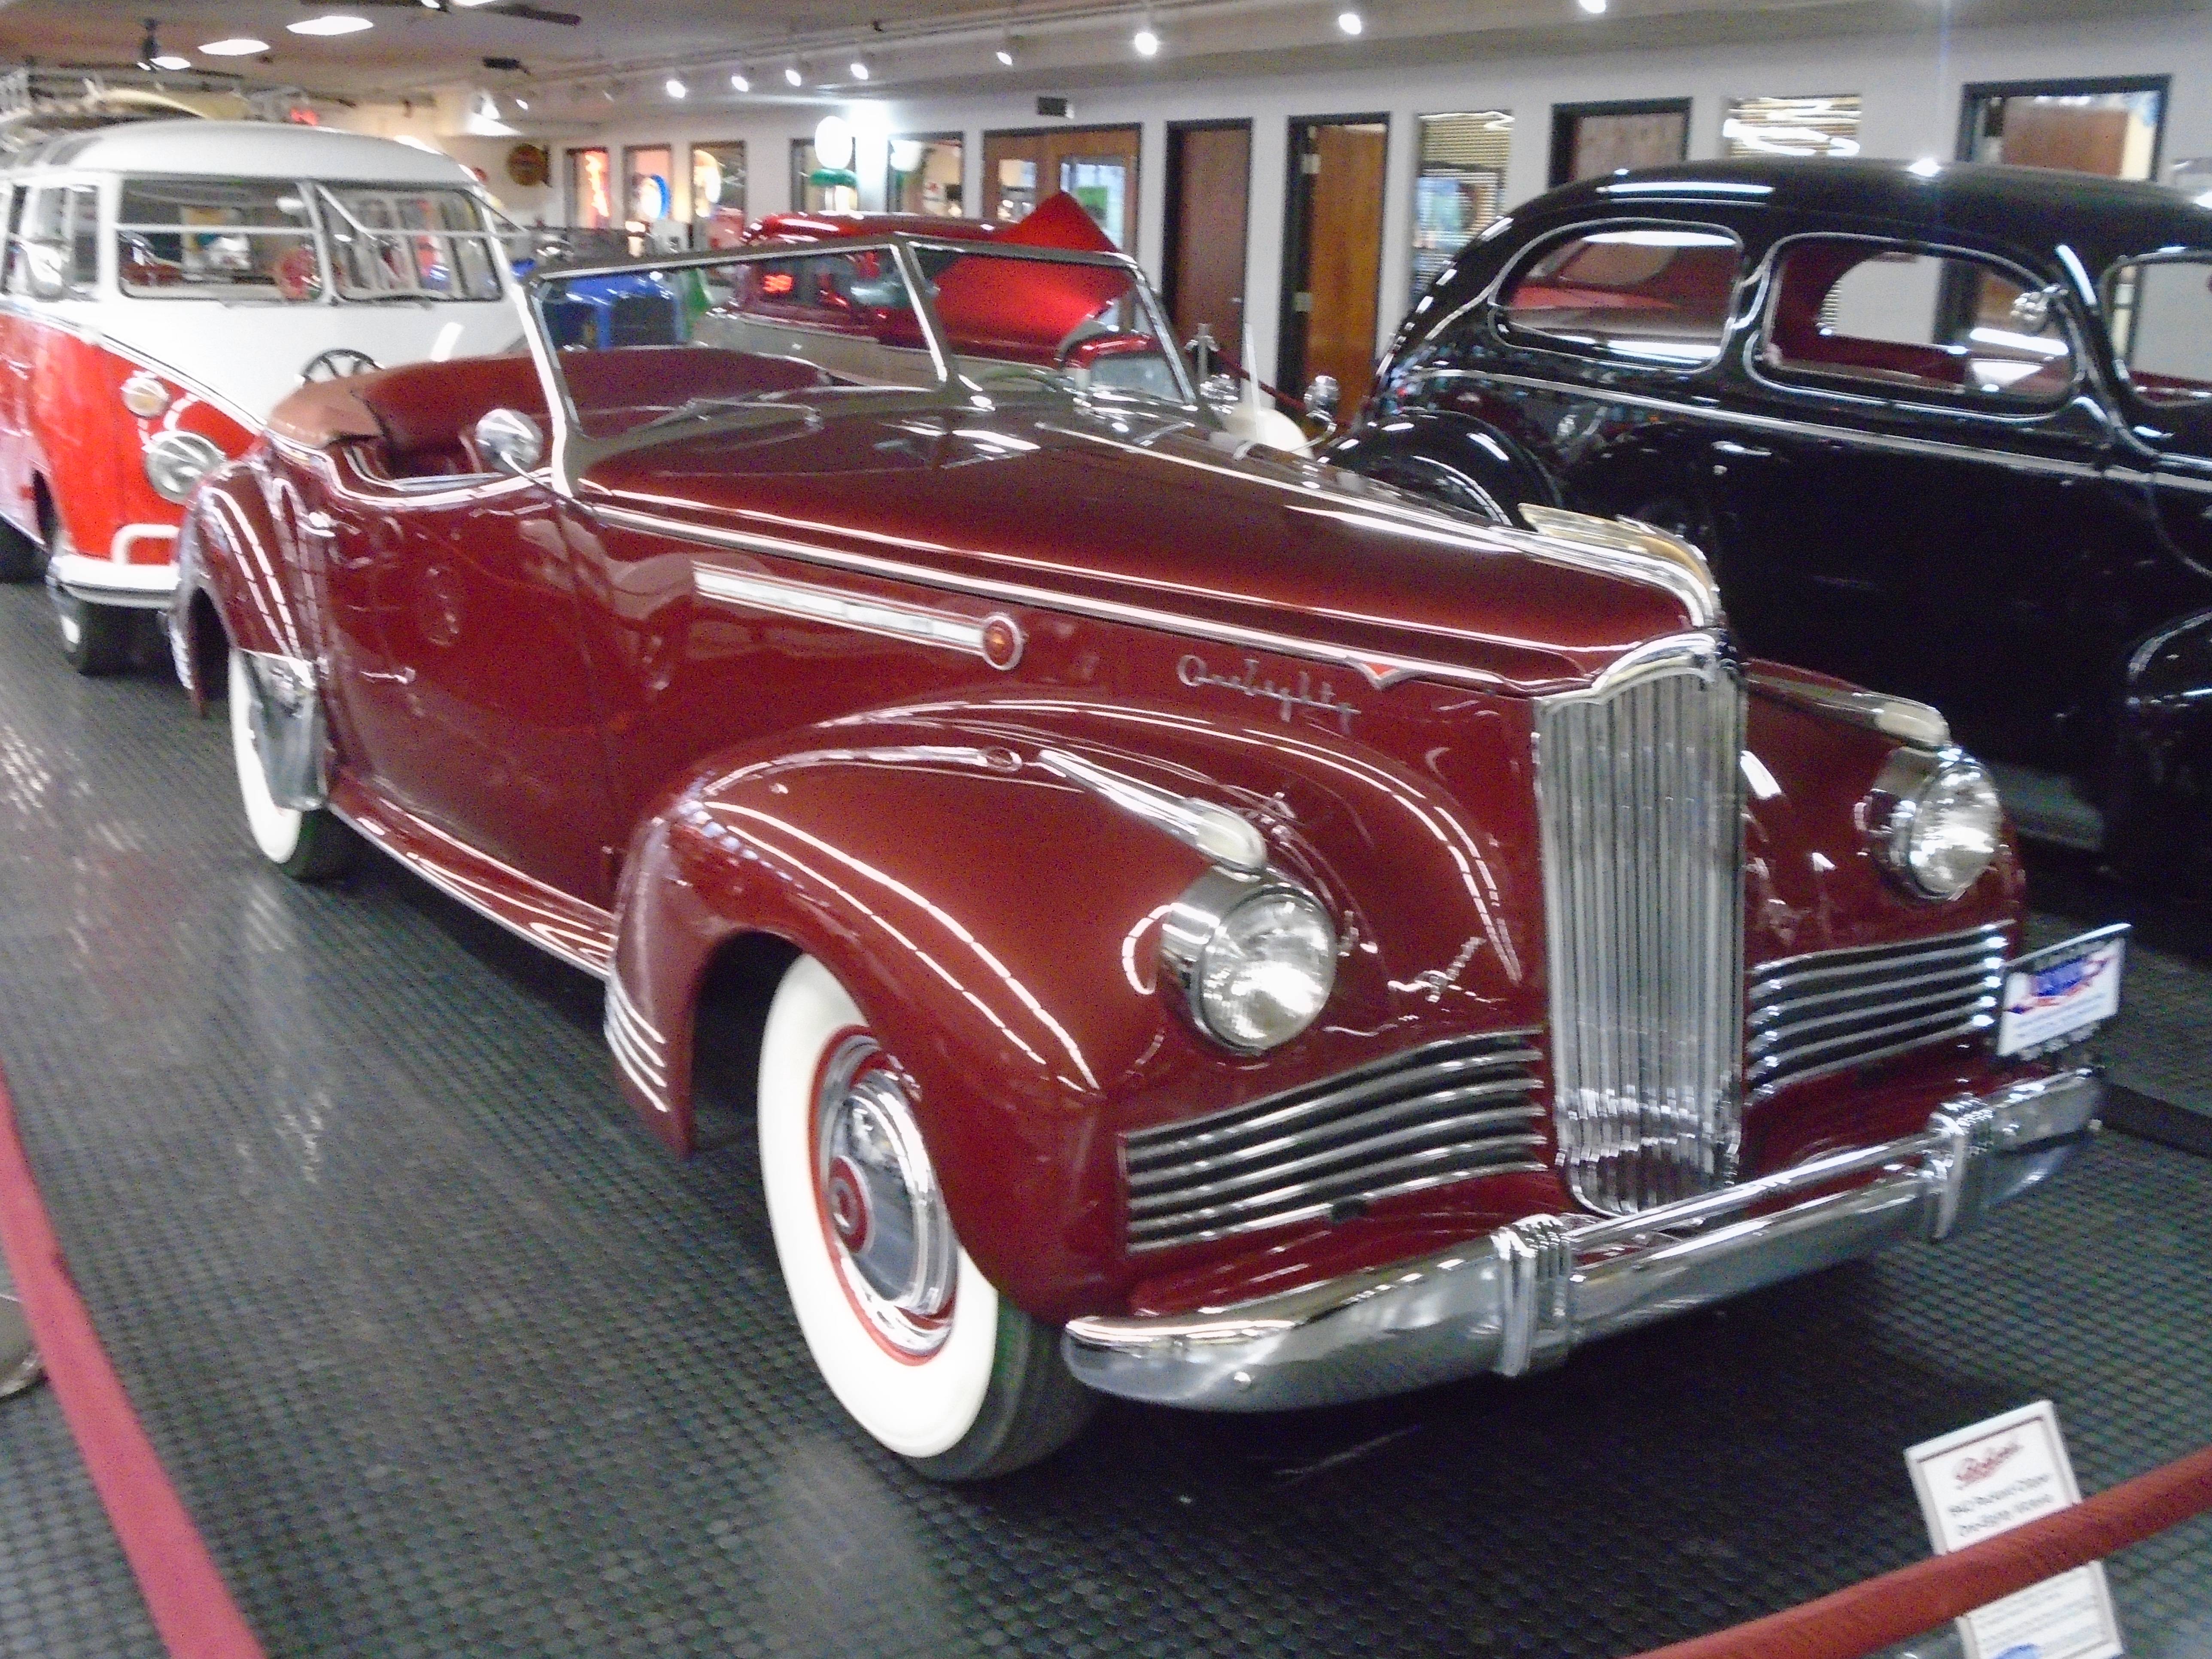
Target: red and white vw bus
<point>165,284</point>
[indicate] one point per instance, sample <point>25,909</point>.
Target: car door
<point>1915,482</point>
<point>463,683</point>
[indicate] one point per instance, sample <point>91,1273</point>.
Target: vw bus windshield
<point>647,346</point>
<point>410,242</point>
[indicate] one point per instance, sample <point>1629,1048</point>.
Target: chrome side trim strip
<point>1910,722</point>
<point>888,618</point>
<point>1207,827</point>
<point>1786,971</point>
<point>1381,670</point>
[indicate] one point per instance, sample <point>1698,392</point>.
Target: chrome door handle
<point>1748,452</point>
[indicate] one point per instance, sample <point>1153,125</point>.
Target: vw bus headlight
<point>1255,958</point>
<point>1937,819</point>
<point>144,396</point>
<point>175,461</point>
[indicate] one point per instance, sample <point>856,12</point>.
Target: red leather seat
<point>1809,274</point>
<point>426,411</point>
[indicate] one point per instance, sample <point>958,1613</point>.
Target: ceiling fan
<point>522,9</point>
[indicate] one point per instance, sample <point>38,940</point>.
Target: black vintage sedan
<point>1946,431</point>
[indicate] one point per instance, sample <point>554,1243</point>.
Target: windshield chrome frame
<point>570,450</point>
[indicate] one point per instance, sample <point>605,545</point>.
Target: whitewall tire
<point>310,846</point>
<point>914,1342</point>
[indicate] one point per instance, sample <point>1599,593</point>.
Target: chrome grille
<point>1832,1010</point>
<point>1431,1115</point>
<point>1641,810</point>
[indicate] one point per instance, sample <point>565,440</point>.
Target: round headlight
<point>1256,959</point>
<point>144,396</point>
<point>1943,823</point>
<point>175,461</point>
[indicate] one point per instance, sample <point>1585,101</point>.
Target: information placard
<point>1988,1480</point>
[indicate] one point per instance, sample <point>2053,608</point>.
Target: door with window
<point>1096,165</point>
<point>1921,508</point>
<point>2113,128</point>
<point>1333,254</point>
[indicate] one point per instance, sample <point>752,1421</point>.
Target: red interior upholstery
<point>1810,272</point>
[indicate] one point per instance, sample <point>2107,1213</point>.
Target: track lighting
<point>859,68</point>
<point>1350,23</point>
<point>792,76</point>
<point>740,81</point>
<point>1146,41</point>
<point>674,87</point>
<point>1005,54</point>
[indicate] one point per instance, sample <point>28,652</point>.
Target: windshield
<point>699,337</point>
<point>2160,310</point>
<point>410,242</point>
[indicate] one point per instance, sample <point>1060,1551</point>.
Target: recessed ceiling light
<point>740,81</point>
<point>172,60</point>
<point>335,23</point>
<point>1593,7</point>
<point>674,87</point>
<point>238,46</point>
<point>1146,42</point>
<point>1351,22</point>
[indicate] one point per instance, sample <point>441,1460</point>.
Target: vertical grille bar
<point>1638,790</point>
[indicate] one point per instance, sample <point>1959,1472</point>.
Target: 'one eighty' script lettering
<point>1193,672</point>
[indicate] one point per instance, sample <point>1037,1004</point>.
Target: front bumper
<point>105,582</point>
<point>1524,1297</point>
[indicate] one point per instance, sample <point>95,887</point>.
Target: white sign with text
<point>1988,1480</point>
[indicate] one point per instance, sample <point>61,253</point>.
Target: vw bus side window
<point>56,254</point>
<point>216,238</point>
<point>394,241</point>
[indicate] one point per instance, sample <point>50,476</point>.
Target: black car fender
<point>2160,787</point>
<point>1463,462</point>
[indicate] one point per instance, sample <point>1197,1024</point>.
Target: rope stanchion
<point>1912,1601</point>
<point>184,1594</point>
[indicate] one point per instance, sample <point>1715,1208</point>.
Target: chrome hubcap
<point>886,1222</point>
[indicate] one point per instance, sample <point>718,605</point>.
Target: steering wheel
<point>337,363</point>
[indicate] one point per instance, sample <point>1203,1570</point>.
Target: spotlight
<point>522,104</point>
<point>1006,55</point>
<point>1350,23</point>
<point>859,68</point>
<point>792,76</point>
<point>1146,42</point>
<point>674,87</point>
<point>740,81</point>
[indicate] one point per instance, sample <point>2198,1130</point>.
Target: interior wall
<point>1910,83</point>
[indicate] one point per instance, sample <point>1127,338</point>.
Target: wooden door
<point>1333,271</point>
<point>1021,168</point>
<point>1209,196</point>
<point>2040,133</point>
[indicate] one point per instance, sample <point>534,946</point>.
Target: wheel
<point>306,845</point>
<point>911,1337</point>
<point>97,639</point>
<point>22,558</point>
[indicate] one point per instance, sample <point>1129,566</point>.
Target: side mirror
<point>1322,393</point>
<point>511,441</point>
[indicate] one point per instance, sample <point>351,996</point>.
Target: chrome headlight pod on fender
<point>1255,957</point>
<point>175,461</point>
<point>1935,820</point>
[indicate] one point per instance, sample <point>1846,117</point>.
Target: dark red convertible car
<point>1224,932</point>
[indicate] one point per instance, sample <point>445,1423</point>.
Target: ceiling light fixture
<point>1350,23</point>
<point>1146,40</point>
<point>241,45</point>
<point>791,76</point>
<point>1594,8</point>
<point>470,5</point>
<point>151,56</point>
<point>333,22</point>
<point>740,81</point>
<point>522,104</point>
<point>1006,55</point>
<point>172,61</point>
<point>674,87</point>
<point>859,67</point>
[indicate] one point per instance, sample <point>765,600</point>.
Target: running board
<point>2047,807</point>
<point>582,935</point>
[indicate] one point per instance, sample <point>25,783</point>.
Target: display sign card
<point>2060,995</point>
<point>1988,1480</point>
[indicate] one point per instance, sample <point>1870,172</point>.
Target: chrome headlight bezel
<point>1212,919</point>
<point>176,461</point>
<point>1923,795</point>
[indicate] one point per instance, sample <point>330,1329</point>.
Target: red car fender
<point>1020,995</point>
<point>238,580</point>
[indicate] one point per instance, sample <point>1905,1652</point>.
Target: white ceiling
<point>917,44</point>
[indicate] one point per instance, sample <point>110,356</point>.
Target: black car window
<point>1656,293</point>
<point>2160,312</point>
<point>1942,326</point>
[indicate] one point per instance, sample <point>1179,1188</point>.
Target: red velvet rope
<point>1901,1605</point>
<point>184,1594</point>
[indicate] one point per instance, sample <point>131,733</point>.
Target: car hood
<point>1150,519</point>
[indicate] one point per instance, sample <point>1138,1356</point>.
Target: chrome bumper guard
<point>1522,1298</point>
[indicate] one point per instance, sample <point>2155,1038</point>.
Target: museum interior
<point>1084,828</point>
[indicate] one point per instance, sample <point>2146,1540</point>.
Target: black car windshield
<point>655,345</point>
